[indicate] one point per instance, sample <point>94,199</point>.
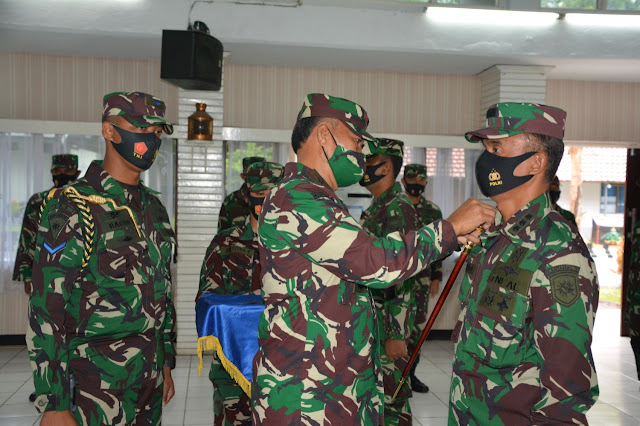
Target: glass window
<point>611,198</point>
<point>569,4</point>
<point>623,5</point>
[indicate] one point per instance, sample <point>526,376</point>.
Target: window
<point>611,198</point>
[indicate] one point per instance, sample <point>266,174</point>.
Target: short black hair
<point>303,128</point>
<point>553,147</point>
<point>396,163</point>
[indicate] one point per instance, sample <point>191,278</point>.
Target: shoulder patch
<point>565,288</point>
<point>57,222</point>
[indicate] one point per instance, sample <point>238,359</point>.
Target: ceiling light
<point>490,16</point>
<point>603,19</point>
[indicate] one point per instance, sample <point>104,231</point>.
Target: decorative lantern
<point>200,124</point>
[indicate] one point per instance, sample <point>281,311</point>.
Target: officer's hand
<point>435,288</point>
<point>471,215</point>
<point>58,418</point>
<point>167,390</point>
<point>395,349</point>
<point>27,287</point>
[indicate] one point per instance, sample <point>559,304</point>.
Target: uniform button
<point>42,402</point>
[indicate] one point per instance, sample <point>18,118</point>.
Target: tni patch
<point>565,286</point>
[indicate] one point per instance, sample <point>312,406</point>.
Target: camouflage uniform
<point>529,298</point>
<point>101,309</point>
<point>318,361</point>
<point>232,266</point>
<point>27,242</point>
<point>566,214</point>
<point>391,212</point>
<point>427,212</point>
<point>633,294</point>
<point>235,207</point>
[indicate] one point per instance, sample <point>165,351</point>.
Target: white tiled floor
<point>619,402</point>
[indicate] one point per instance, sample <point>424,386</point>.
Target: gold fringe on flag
<point>208,343</point>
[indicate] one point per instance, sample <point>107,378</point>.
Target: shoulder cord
<point>87,218</point>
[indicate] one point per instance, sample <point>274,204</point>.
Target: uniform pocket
<point>122,258</point>
<point>496,337</point>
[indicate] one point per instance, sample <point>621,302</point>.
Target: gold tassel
<point>208,343</point>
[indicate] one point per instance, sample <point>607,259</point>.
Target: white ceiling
<point>320,34</point>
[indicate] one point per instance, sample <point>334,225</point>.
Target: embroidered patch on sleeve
<point>57,222</point>
<point>53,250</point>
<point>565,287</point>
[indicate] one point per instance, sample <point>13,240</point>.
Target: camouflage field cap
<point>247,161</point>
<point>263,175</point>
<point>392,147</point>
<point>67,161</point>
<point>138,108</point>
<point>350,113</point>
<point>512,118</point>
<point>415,170</point>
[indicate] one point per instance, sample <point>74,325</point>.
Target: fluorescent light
<point>603,19</point>
<point>490,16</point>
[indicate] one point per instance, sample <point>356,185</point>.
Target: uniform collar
<point>104,182</point>
<point>247,233</point>
<point>388,194</point>
<point>308,172</point>
<point>518,227</point>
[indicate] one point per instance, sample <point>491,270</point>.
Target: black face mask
<point>494,174</point>
<point>415,189</point>
<point>139,149</point>
<point>62,179</point>
<point>370,176</point>
<point>255,204</point>
<point>555,196</point>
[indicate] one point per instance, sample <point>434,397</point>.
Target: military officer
<point>554,196</point>
<point>530,292</point>
<point>235,208</point>
<point>64,169</point>
<point>317,339</point>
<point>232,266</point>
<point>101,316</point>
<point>391,211</point>
<point>633,294</point>
<point>428,281</point>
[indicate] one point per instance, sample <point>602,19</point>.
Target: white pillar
<point>200,189</point>
<point>516,83</point>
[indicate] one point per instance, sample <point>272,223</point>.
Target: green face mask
<point>347,166</point>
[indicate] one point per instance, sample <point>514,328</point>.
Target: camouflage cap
<point>67,161</point>
<point>415,170</point>
<point>350,113</point>
<point>392,147</point>
<point>138,108</point>
<point>247,161</point>
<point>512,118</point>
<point>263,175</point>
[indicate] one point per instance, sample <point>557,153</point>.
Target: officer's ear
<point>109,132</point>
<point>538,163</point>
<point>323,133</point>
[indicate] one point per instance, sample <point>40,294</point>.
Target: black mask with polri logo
<point>494,174</point>
<point>139,149</point>
<point>370,176</point>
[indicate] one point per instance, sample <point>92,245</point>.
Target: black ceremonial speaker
<point>191,60</point>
